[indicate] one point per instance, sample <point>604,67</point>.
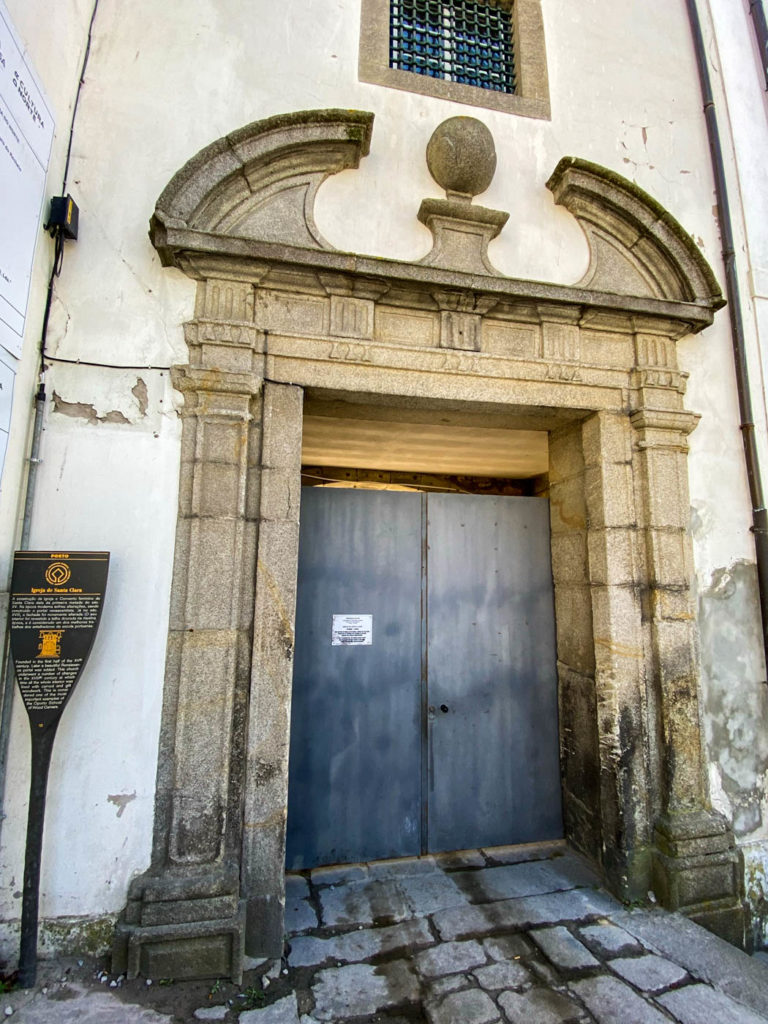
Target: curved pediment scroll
<point>260,182</point>
<point>636,246</point>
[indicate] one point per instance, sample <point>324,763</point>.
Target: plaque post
<point>42,746</point>
<point>56,602</point>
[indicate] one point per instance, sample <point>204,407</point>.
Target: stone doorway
<point>281,316</point>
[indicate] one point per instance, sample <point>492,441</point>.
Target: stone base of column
<point>182,924</point>
<point>697,871</point>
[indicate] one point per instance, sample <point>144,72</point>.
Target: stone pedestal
<point>697,870</point>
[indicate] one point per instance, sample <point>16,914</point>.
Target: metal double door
<point>431,725</point>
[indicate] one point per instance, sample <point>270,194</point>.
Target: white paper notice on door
<point>352,630</point>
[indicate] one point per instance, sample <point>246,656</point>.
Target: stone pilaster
<point>185,917</point>
<point>614,569</point>
<point>695,866</point>
<point>269,719</point>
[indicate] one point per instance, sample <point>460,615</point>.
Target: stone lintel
<point>202,252</point>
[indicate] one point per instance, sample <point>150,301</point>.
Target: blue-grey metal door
<point>494,773</point>
<point>432,723</point>
<point>355,781</point>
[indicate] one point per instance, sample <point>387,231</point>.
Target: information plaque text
<point>56,600</point>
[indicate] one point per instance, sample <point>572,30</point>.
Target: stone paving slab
<point>450,958</point>
<point>563,949</point>
<point>427,894</point>
<point>361,990</point>
<point>507,947</point>
<point>363,903</point>
<point>460,859</point>
<point>700,1004</point>
<point>528,879</point>
<point>610,1001</point>
<point>542,1006</point>
<point>503,975</point>
<point>649,973</point>
<point>609,940</point>
<point>284,1011</point>
<point>80,1006</point>
<point>340,874</point>
<point>525,851</point>
<point>470,1007</point>
<point>355,946</point>
<point>400,942</point>
<point>402,867</point>
<point>703,955</point>
<point>508,915</point>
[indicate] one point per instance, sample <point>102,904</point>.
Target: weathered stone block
<point>670,562</point>
<point>282,419</point>
<point>665,496</point>
<point>567,507</point>
<point>566,458</point>
<point>617,624</point>
<point>613,556</point>
<point>609,493</point>
<point>221,440</point>
<point>670,604</point>
<point>213,573</point>
<point>218,490</point>
<point>280,494</point>
<point>573,614</point>
<point>606,438</point>
<point>569,557</point>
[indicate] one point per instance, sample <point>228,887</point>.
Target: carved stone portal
<point>280,313</point>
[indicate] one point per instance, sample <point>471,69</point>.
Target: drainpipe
<point>760,25</point>
<point>751,458</point>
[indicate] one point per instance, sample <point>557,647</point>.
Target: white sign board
<point>352,630</point>
<point>26,135</point>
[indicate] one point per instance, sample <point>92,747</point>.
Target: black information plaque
<point>55,607</point>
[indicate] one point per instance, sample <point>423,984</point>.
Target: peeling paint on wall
<point>86,411</point>
<point>735,698</point>
<point>121,801</point>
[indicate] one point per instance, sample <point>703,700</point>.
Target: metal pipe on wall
<point>760,25</point>
<point>747,426</point>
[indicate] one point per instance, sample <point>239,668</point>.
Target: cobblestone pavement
<point>520,935</point>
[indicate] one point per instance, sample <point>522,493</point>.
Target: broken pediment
<point>636,246</point>
<point>257,186</point>
<point>260,182</point>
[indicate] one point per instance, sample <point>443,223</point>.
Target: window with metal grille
<point>460,41</point>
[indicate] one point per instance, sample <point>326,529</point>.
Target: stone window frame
<point>531,98</point>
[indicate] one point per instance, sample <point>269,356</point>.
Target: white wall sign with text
<point>352,630</point>
<point>26,135</point>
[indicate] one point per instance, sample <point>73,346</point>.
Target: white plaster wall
<point>163,81</point>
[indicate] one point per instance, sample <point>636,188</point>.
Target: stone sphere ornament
<point>461,156</point>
